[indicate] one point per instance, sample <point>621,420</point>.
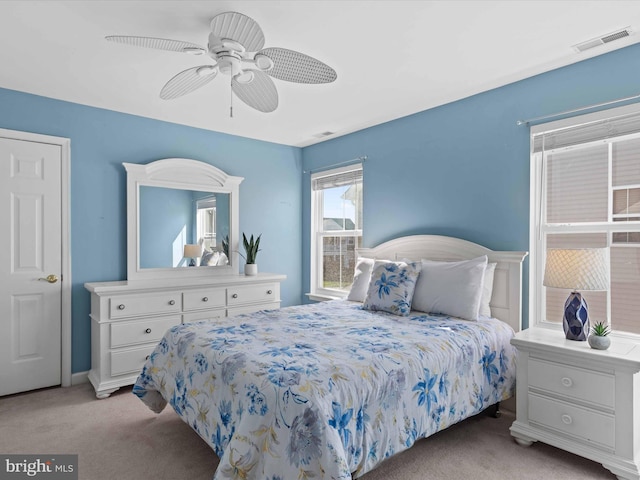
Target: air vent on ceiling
<point>323,134</point>
<point>608,38</point>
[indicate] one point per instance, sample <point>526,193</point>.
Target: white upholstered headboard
<point>506,300</point>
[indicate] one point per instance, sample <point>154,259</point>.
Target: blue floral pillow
<point>391,287</point>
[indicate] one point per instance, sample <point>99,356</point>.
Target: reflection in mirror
<point>170,218</point>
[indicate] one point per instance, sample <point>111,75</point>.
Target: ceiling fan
<point>236,45</point>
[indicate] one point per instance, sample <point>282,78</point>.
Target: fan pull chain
<point>231,98</point>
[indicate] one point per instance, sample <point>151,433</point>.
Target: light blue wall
<point>462,169</point>
<point>102,139</point>
<point>167,223</point>
<point>223,211</point>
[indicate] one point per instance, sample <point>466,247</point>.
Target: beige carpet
<point>119,438</point>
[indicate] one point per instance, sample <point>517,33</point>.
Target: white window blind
<point>349,177</point>
<point>590,131</point>
<point>586,194</point>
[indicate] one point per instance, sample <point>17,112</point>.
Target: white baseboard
<point>80,377</point>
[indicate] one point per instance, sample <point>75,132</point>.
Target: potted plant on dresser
<point>251,248</point>
<point>598,338</point>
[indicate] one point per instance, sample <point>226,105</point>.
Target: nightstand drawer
<point>266,292</point>
<point>204,299</point>
<point>588,425</point>
<point>141,331</point>
<point>589,386</point>
<point>153,304</point>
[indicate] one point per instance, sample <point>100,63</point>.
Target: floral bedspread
<point>327,390</point>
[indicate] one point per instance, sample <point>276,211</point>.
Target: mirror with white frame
<point>181,214</point>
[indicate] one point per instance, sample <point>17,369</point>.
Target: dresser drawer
<point>152,304</point>
<point>205,298</point>
<point>594,387</point>
<point>252,308</point>
<point>203,315</point>
<point>267,292</point>
<point>141,331</point>
<point>588,425</point>
<point>130,361</point>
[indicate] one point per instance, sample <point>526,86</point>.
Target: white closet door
<point>30,251</point>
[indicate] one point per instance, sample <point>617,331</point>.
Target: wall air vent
<point>608,38</point>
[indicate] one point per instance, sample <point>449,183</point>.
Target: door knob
<point>50,278</point>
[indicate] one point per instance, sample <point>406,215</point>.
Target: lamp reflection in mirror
<point>577,269</point>
<point>192,251</point>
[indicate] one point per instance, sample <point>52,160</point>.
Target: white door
<point>30,252</point>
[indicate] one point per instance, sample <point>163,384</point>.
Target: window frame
<point>202,205</point>
<point>539,228</point>
<point>317,292</point>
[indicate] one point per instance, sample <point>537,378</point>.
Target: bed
<point>331,389</point>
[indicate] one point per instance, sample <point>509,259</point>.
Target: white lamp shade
<point>577,269</point>
<point>192,250</point>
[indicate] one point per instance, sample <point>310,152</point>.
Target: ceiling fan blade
<point>260,93</point>
<point>158,43</point>
<point>240,28</point>
<point>297,67</point>
<point>187,81</point>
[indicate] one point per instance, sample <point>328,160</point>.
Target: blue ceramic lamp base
<point>576,318</point>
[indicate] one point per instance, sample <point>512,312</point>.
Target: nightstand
<point>579,399</point>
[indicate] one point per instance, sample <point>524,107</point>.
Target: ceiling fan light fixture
<point>263,62</point>
<point>194,50</point>
<point>232,45</point>
<point>206,70</point>
<point>245,77</point>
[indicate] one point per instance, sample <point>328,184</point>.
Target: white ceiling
<point>393,58</point>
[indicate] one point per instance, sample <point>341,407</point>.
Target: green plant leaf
<point>600,329</point>
<point>251,247</point>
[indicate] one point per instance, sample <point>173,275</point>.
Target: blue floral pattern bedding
<point>325,390</point>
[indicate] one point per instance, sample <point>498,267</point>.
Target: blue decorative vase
<point>576,318</point>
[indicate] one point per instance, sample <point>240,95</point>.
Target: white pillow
<point>361,279</point>
<point>450,288</point>
<point>487,289</point>
<point>391,287</point>
<point>222,259</point>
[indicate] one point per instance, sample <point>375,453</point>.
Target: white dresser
<point>579,399</point>
<point>129,318</point>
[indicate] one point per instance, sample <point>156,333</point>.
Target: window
<point>336,229</point>
<point>206,222</point>
<point>585,185</point>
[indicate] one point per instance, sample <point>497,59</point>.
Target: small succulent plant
<point>600,329</point>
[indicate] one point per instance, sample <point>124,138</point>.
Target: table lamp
<point>577,269</point>
<point>192,251</point>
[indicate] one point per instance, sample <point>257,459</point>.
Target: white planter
<point>599,343</point>
<point>251,269</point>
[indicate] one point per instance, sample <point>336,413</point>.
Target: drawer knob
<point>121,306</point>
<point>269,292</point>
<point>566,419</point>
<point>147,357</point>
<point>567,382</point>
<point>205,299</point>
<point>172,302</point>
<point>235,295</point>
<point>148,330</point>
